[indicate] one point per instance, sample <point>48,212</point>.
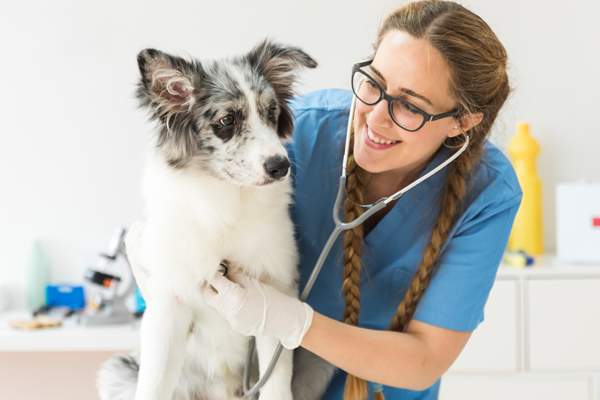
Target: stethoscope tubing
<point>339,228</point>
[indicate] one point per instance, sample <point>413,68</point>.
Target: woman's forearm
<point>395,359</point>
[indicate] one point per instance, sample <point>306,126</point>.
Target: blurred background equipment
<point>578,222</point>
<point>517,259</point>
<point>112,283</point>
<point>37,277</point>
<point>65,295</point>
<point>40,321</point>
<point>527,234</point>
<point>4,298</point>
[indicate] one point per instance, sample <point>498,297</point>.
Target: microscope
<point>113,282</point>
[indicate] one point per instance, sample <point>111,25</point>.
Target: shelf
<point>547,267</point>
<point>68,337</point>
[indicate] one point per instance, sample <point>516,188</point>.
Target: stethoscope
<point>339,228</point>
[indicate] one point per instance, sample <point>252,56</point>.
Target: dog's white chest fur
<point>194,222</point>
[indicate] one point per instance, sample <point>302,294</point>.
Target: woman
<point>435,252</point>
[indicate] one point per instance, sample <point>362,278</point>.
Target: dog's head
<point>227,117</point>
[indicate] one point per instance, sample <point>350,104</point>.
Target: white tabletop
<point>548,267</point>
<point>68,337</point>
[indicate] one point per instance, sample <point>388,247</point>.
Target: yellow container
<point>527,234</point>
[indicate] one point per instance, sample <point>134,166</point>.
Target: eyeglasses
<point>405,114</point>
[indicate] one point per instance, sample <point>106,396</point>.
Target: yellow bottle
<point>526,233</point>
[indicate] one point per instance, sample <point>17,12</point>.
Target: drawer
<point>493,346</point>
<point>563,317</point>
<point>524,387</point>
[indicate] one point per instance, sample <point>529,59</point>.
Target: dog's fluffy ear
<point>280,64</point>
<point>168,86</point>
<point>167,82</point>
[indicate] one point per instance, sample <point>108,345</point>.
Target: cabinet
<point>564,324</point>
<point>517,387</point>
<point>500,329</point>
<point>540,338</point>
<point>58,363</point>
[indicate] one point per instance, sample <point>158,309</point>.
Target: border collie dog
<point>216,187</point>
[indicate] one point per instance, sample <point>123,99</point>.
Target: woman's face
<point>413,70</point>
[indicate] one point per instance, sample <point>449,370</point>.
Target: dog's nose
<point>277,167</point>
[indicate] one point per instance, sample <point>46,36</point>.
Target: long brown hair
<point>479,84</point>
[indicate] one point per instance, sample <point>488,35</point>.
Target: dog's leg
<point>279,385</point>
<point>164,331</point>
<point>311,376</point>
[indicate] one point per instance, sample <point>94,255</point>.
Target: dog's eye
<point>227,120</point>
<point>272,113</point>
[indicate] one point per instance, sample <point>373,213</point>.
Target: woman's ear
<point>465,123</point>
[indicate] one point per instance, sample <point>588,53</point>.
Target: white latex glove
<point>254,308</point>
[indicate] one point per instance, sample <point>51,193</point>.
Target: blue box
<point>140,303</point>
<point>65,296</point>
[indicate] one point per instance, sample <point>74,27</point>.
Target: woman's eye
<point>271,112</point>
<point>372,84</point>
<point>227,120</point>
<point>411,109</point>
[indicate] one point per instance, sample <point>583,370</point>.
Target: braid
<point>456,188</point>
<point>356,388</point>
<point>353,240</point>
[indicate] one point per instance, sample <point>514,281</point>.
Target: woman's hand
<point>254,308</point>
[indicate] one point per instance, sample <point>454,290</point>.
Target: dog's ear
<point>168,86</point>
<point>167,82</point>
<point>280,64</point>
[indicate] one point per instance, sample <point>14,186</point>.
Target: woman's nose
<point>380,115</point>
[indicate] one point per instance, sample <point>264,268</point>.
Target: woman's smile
<point>377,141</point>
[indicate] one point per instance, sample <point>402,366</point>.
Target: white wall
<point>73,141</point>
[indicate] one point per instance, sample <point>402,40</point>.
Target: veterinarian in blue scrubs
<point>417,275</point>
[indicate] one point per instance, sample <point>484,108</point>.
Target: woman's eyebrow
<point>407,91</point>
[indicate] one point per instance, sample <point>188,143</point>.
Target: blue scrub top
<point>393,250</point>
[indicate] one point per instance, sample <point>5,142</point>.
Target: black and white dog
<point>216,187</point>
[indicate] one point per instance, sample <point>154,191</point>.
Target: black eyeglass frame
<point>383,95</point>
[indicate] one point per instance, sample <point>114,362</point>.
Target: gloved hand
<point>254,308</point>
